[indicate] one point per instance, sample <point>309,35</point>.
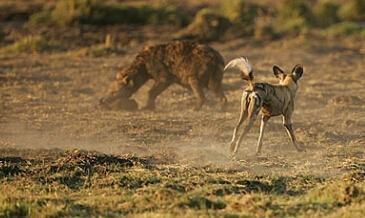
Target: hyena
<point>192,65</point>
<point>270,99</point>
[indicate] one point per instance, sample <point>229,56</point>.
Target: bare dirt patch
<point>48,101</point>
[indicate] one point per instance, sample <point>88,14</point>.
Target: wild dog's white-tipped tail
<point>243,66</point>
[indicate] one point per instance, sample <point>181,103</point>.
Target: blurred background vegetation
<point>41,25</point>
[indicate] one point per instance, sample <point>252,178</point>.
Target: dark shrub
<point>352,10</point>
<point>294,16</point>
<point>326,13</point>
<point>94,12</point>
<point>206,26</point>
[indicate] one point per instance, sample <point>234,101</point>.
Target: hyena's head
<point>288,78</point>
<point>120,91</point>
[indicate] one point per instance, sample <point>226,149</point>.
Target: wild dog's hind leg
<point>289,129</point>
<point>245,131</point>
<point>156,89</point>
<point>243,115</point>
<point>252,110</point>
<point>264,120</point>
<point>198,92</point>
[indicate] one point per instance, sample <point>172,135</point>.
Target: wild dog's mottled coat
<point>270,99</point>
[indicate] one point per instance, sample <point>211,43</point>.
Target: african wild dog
<point>271,100</point>
<point>192,65</point>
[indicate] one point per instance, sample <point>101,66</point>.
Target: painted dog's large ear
<point>297,71</point>
<point>279,73</point>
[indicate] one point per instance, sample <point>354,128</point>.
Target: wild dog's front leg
<point>156,90</point>
<point>198,92</point>
<point>289,129</point>
<point>264,120</point>
<point>243,115</point>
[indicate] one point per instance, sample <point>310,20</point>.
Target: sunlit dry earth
<point>49,101</point>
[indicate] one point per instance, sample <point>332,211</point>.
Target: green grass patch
<point>18,209</point>
<point>264,29</point>
<point>352,10</point>
<point>326,13</point>
<point>129,186</point>
<point>239,11</point>
<point>293,17</point>
<point>335,194</point>
<point>202,203</point>
<point>94,12</point>
<point>207,25</point>
<point>31,44</point>
<point>345,29</point>
<point>99,50</point>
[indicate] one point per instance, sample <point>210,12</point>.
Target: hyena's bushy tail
<point>242,65</point>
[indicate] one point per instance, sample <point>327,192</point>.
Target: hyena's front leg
<point>289,129</point>
<point>243,116</point>
<point>157,88</point>
<point>198,92</point>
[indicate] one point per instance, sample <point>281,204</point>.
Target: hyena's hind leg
<point>222,99</point>
<point>217,89</point>
<point>243,116</point>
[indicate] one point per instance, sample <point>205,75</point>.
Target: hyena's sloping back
<point>185,59</point>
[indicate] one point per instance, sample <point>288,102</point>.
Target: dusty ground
<point>48,101</point>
